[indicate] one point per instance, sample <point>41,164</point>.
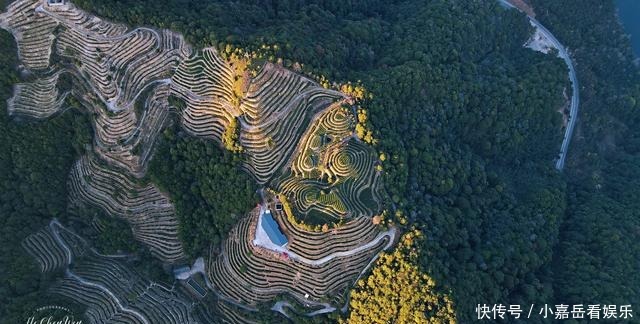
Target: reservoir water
<point>629,13</point>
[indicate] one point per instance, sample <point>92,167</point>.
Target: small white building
<point>182,273</point>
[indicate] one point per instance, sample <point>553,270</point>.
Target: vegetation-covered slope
<point>200,177</point>
<point>410,298</point>
<point>35,158</point>
<point>599,239</point>
<point>467,119</point>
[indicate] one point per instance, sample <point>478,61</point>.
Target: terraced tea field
<point>111,291</point>
<point>297,140</point>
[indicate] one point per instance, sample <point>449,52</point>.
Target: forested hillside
<point>602,229</point>
<point>35,158</point>
<point>199,175</point>
<point>466,117</point>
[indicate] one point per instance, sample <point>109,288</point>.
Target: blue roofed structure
<point>270,226</point>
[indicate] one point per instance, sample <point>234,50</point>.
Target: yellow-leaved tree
<point>397,291</point>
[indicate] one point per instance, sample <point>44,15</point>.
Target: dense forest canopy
<point>409,298</point>
<point>601,232</point>
<point>200,178</point>
<point>465,115</point>
<point>35,158</point>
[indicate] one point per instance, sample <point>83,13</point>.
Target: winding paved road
<point>575,96</point>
